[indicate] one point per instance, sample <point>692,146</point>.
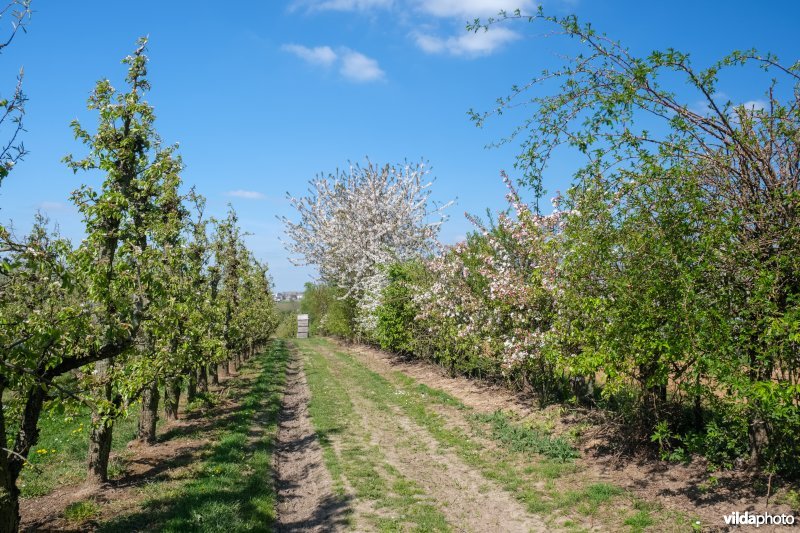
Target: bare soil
<point>306,500</point>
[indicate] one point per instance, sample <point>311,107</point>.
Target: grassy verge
<point>230,488</point>
<point>59,458</point>
<point>398,503</point>
<point>525,461</point>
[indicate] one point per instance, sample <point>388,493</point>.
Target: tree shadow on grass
<point>198,424</point>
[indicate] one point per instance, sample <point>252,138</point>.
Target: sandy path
<point>306,501</point>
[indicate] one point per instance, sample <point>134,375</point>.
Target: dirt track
<point>306,501</point>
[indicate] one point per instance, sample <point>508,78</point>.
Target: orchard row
<point>157,295</point>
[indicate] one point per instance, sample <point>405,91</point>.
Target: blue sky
<point>262,96</point>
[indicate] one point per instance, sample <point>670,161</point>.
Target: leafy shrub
<point>329,310</point>
<point>397,314</point>
<point>287,327</point>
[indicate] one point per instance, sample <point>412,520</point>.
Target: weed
<point>81,511</point>
<point>639,521</point>
<point>522,438</point>
<point>60,454</point>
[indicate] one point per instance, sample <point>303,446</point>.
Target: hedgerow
<point>663,284</point>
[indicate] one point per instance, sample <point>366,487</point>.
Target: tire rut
<point>306,501</point>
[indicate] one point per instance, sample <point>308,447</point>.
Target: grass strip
<point>231,488</point>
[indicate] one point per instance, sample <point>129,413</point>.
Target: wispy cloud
<point>470,44</point>
<point>360,68</point>
<point>438,8</point>
<point>438,29</point>
<point>353,66</point>
<point>247,195</point>
<point>318,55</point>
<point>755,105</point>
<point>52,206</point>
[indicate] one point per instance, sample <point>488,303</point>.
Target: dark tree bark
<point>9,493</point>
<point>212,372</point>
<point>100,437</point>
<point>172,396</point>
<point>202,379</point>
<point>149,414</point>
<point>191,388</point>
<point>99,451</point>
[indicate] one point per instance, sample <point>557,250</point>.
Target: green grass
<point>398,501</point>
<point>289,306</point>
<point>522,438</point>
<point>59,456</point>
<point>642,518</point>
<point>81,511</point>
<point>230,489</point>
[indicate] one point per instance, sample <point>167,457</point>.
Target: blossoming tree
<point>354,223</point>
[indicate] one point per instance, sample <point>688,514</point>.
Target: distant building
<point>288,296</point>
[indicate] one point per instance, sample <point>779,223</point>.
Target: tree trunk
<point>100,437</point>
<point>757,428</point>
<point>202,379</point>
<point>191,388</point>
<point>9,493</point>
<point>759,440</point>
<point>149,414</point>
<point>223,369</point>
<point>212,372</point>
<point>172,396</point>
<point>9,498</point>
<point>99,450</point>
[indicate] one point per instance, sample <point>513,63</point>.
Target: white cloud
<point>353,65</point>
<point>470,9</point>
<point>468,44</point>
<point>360,68</point>
<point>319,55</point>
<point>247,195</point>
<point>430,43</point>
